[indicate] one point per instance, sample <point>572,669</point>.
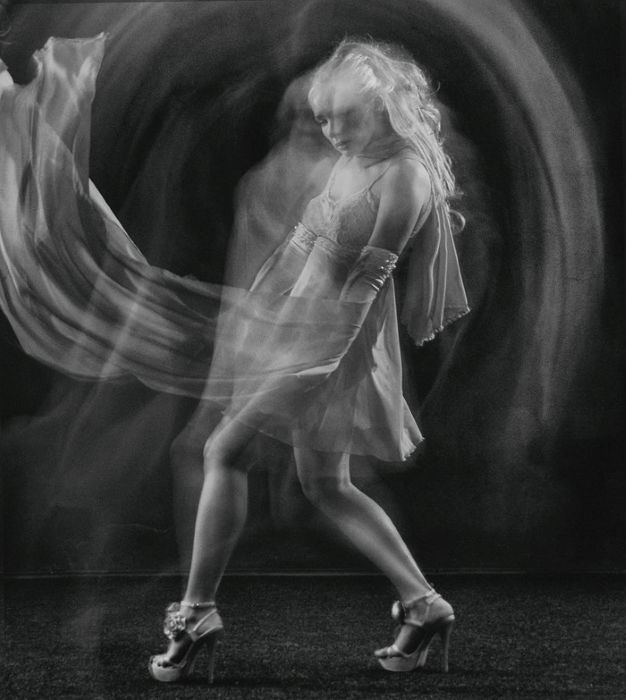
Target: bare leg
<point>325,479</point>
<point>221,509</point>
<point>220,518</point>
<point>186,461</point>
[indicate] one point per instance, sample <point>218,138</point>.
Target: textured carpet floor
<point>312,637</point>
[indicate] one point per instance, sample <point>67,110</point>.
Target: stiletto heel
<point>445,634</point>
<point>187,637</point>
<point>431,615</point>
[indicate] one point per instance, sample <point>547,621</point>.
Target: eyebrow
<point>323,113</point>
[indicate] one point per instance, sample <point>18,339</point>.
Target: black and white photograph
<point>312,349</point>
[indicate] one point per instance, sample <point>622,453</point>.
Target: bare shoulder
<point>404,191</point>
<point>406,176</point>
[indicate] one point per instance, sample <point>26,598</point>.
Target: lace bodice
<point>343,224</point>
<point>347,221</point>
<point>340,225</point>
<point>329,249</point>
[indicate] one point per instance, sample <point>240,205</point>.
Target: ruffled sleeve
<point>434,293</point>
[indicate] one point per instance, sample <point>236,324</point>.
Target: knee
<point>325,491</point>
<point>217,455</point>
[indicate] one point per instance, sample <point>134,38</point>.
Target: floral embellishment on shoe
<point>398,612</point>
<point>175,623</point>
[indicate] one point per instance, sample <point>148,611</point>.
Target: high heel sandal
<point>186,637</point>
<point>432,615</point>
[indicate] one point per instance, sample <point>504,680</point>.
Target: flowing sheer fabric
<point>309,354</point>
<point>434,293</point>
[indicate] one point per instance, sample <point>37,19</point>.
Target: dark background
<point>521,402</point>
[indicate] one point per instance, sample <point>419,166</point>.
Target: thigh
<point>315,465</point>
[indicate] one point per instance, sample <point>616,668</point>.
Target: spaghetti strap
<point>379,176</point>
<point>382,173</point>
<point>365,188</point>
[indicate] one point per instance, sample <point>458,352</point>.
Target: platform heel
<point>429,615</point>
<point>187,636</point>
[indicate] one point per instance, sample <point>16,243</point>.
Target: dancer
<point>308,355</point>
<point>388,187</point>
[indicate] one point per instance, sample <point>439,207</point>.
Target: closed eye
<point>348,116</point>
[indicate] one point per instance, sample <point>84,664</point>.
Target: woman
<point>308,355</point>
<point>391,181</point>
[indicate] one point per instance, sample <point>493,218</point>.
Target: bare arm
<point>405,189</point>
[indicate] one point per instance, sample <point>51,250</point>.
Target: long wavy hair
<point>388,73</point>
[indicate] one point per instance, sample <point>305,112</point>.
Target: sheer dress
<point>359,407</point>
<point>309,354</point>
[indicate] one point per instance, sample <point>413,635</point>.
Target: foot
<point>418,621</point>
<point>188,627</point>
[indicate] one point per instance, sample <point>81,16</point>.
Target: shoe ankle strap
<point>199,605</point>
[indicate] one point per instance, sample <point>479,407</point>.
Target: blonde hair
<point>389,74</point>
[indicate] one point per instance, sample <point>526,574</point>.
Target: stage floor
<point>312,637</point>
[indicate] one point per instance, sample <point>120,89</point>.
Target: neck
<point>382,148</point>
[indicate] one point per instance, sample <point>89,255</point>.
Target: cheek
<point>361,125</point>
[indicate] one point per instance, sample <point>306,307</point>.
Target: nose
<point>334,129</point>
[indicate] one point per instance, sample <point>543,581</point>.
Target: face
<point>350,120</point>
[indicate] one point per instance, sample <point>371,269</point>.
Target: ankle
<point>425,593</point>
